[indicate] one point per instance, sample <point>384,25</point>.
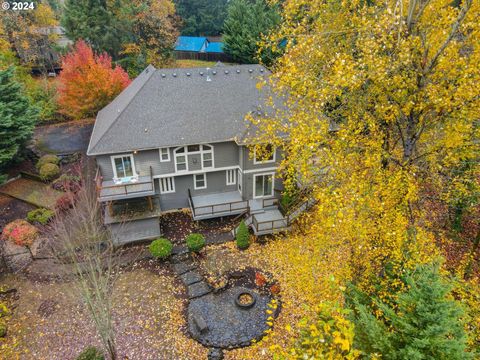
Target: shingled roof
<point>173,107</point>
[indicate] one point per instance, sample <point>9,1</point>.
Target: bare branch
<point>453,31</point>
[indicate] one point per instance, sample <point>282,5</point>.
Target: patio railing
<point>219,208</point>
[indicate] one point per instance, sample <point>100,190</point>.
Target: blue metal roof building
<point>191,43</point>
<point>215,47</point>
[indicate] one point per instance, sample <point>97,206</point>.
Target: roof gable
<point>191,43</point>
<point>215,47</point>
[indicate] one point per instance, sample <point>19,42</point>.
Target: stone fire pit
<point>229,319</point>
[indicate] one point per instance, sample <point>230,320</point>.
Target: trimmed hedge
<point>161,248</point>
<point>242,237</point>
<point>91,353</point>
<point>41,216</point>
<point>195,242</point>
<point>47,159</point>
<point>49,171</point>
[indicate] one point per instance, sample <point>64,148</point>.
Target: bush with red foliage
<point>260,279</point>
<point>20,232</point>
<point>65,202</point>
<point>88,81</point>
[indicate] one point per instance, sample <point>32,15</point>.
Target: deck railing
<point>269,225</point>
<point>125,189</point>
<point>219,208</point>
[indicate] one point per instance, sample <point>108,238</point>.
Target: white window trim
<point>195,181</point>
<point>175,158</point>
<point>201,152</point>
<point>231,174</point>
<point>239,181</point>
<point>172,190</point>
<point>273,185</point>
<point>182,173</point>
<point>257,162</point>
<point>115,175</point>
<point>168,153</point>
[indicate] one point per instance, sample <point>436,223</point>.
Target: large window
<point>200,181</point>
<point>267,155</point>
<point>263,185</point>
<point>182,153</point>
<point>164,155</point>
<point>123,166</point>
<point>231,180</point>
<point>167,185</point>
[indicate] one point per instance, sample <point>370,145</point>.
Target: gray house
<point>176,139</point>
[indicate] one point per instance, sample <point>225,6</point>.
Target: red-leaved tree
<point>88,81</point>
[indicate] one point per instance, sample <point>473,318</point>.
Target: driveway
<point>65,138</point>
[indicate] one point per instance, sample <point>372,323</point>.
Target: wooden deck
<point>217,205</point>
<point>268,222</point>
<point>109,190</point>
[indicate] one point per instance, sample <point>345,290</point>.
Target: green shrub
<point>161,248</point>
<point>49,171</point>
<point>3,178</point>
<point>3,330</point>
<point>41,216</point>
<point>242,237</point>
<point>47,159</point>
<point>91,353</point>
<point>195,242</point>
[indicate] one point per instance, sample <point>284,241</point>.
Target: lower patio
<point>217,205</point>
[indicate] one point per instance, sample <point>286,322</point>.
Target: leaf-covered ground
<point>50,321</point>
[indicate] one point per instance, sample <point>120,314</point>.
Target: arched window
<point>181,156</point>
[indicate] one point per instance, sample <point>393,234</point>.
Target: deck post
<point>150,204</point>
<point>110,208</point>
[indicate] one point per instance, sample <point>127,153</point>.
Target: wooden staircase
<point>272,217</point>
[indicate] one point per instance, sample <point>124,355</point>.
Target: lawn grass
<point>33,192</point>
<point>193,63</point>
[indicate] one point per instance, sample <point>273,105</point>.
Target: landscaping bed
<point>11,209</point>
<point>177,225</point>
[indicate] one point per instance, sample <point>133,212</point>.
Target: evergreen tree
<point>92,21</point>
<point>202,17</point>
<point>422,322</point>
<point>244,26</point>
<point>17,116</point>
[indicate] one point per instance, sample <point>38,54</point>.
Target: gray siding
<point>225,154</point>
<point>143,160</point>
<point>248,184</point>
<point>216,183</point>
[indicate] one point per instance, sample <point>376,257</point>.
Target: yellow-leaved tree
<point>381,106</point>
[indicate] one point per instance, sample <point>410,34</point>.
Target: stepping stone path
<point>184,267</point>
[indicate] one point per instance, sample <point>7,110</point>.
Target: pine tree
<point>422,323</point>
<point>202,17</point>
<point>17,116</point>
<point>92,21</point>
<point>244,26</point>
